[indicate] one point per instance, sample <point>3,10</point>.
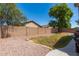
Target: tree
<point>62,13</point>
<point>53,23</point>
<point>77,5</point>
<point>16,15</point>
<point>9,14</point>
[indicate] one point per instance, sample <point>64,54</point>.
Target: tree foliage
<point>62,13</point>
<point>10,15</point>
<point>53,23</point>
<point>77,5</point>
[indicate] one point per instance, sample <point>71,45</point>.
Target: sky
<point>38,12</point>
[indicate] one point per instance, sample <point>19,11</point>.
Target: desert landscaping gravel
<point>19,46</point>
<point>69,50</point>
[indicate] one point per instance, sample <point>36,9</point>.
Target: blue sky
<point>38,12</point>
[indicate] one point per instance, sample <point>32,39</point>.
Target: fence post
<point>27,33</point>
<point>46,31</point>
<point>38,31</point>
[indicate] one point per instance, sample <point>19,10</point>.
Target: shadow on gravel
<point>67,45</point>
<point>63,41</point>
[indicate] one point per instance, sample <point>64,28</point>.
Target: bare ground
<point>19,46</point>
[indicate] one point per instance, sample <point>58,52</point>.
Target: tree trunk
<point>59,29</point>
<point>2,34</point>
<point>4,31</point>
<point>7,34</point>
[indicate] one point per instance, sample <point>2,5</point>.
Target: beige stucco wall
<point>31,24</point>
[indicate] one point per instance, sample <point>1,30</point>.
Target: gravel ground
<point>69,50</point>
<point>20,47</point>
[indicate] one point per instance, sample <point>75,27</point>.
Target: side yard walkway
<point>19,46</point>
<point>69,50</point>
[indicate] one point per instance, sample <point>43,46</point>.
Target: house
<point>45,26</point>
<point>32,24</point>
